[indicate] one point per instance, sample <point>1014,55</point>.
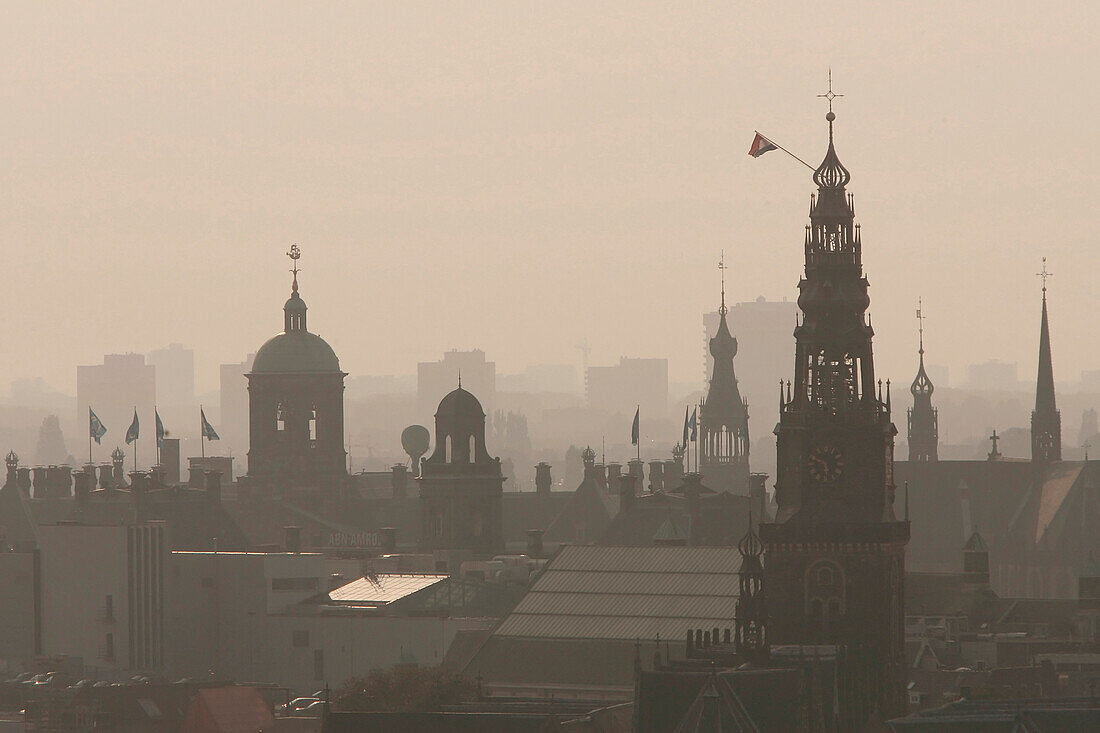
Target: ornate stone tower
<point>750,622</point>
<point>1046,421</point>
<point>461,484</point>
<point>835,556</point>
<point>296,405</point>
<point>724,417</point>
<point>924,421</point>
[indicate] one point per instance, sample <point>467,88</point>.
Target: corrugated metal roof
<point>625,593</point>
<point>384,588</point>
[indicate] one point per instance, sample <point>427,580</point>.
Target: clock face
<point>826,463</point>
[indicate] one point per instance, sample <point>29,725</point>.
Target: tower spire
<point>722,269</point>
<point>294,311</point>
<point>1046,421</point>
<point>923,419</point>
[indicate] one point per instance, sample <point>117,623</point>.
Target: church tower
<point>835,555</point>
<point>461,485</point>
<point>724,417</point>
<point>750,622</point>
<point>1046,421</point>
<point>924,423</point>
<point>296,405</point>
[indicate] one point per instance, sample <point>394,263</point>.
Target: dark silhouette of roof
<point>459,402</point>
<point>228,710</point>
<point>295,352</point>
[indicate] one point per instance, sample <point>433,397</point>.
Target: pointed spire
<point>1046,422</point>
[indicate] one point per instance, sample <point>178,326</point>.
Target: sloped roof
<point>378,590</point>
<point>228,710</point>
<point>723,518</point>
<point>716,709</point>
<point>627,593</point>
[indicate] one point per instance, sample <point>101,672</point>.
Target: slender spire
<point>1046,422</point>
<point>722,269</point>
<point>922,417</point>
<point>294,254</point>
<point>294,311</point>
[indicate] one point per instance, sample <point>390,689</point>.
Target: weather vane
<point>294,254</point>
<point>722,270</point>
<point>920,324</point>
<point>1044,274</point>
<point>830,95</point>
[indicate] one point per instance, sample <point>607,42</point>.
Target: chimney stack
<point>636,469</point>
<point>614,474</point>
<point>213,481</point>
<point>626,491</point>
<point>64,481</point>
<point>24,480</point>
<point>542,479</point>
<point>293,539</point>
<point>656,475</point>
<point>106,476</point>
<point>400,480</point>
<point>534,542</point>
<point>389,539</point>
<point>139,483</point>
<point>195,478</point>
<point>82,486</point>
<point>39,474</point>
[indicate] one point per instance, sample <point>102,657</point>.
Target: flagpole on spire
<point>89,434</point>
<point>202,434</point>
<point>756,154</point>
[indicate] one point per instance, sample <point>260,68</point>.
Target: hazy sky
<point>518,175</point>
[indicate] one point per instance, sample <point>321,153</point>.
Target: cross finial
<point>830,96</point>
<point>294,254</point>
<point>1044,274</point>
<point>722,269</point>
<point>1086,445</point>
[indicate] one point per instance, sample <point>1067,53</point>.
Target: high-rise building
<point>434,379</point>
<point>622,388</point>
<point>296,406</point>
<point>233,397</point>
<point>835,554</point>
<point>114,389</point>
<point>175,367</point>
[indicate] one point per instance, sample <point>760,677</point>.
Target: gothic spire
<point>1046,421</point>
<point>923,418</point>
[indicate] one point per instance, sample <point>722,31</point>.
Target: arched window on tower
<point>472,452</point>
<point>280,417</point>
<point>447,449</point>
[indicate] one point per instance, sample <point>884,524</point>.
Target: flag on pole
<point>634,428</point>
<point>761,145</point>
<point>693,422</point>
<point>133,431</point>
<point>685,439</point>
<point>96,428</point>
<point>208,431</point>
<point>161,432</point>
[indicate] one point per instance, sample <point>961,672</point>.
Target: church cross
<point>830,95</point>
<point>1044,274</point>
<point>994,438</point>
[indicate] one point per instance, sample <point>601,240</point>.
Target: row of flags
<point>96,428</point>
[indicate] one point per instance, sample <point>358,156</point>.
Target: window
<point>472,451</point>
<point>299,639</point>
<point>447,449</point>
<point>109,647</point>
<point>825,576</point>
<point>313,425</point>
<point>109,608</point>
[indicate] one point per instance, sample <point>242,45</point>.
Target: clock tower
<point>835,555</point>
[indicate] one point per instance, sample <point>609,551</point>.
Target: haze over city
<point>516,178</point>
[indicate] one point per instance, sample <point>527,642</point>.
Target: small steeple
<point>751,638</point>
<point>1046,421</point>
<point>923,417</point>
<point>294,310</point>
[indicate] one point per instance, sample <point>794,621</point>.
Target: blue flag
<point>161,432</point>
<point>96,429</point>
<point>634,428</point>
<point>208,431</point>
<point>133,431</point>
<point>685,439</point>
<point>693,422</point>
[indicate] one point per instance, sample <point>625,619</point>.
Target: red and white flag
<point>761,145</point>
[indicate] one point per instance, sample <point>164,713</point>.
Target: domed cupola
<point>296,349</point>
<point>460,429</point>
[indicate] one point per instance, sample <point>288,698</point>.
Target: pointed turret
<point>923,418</point>
<point>1046,421</point>
<point>751,637</point>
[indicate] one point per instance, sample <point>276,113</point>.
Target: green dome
<point>296,351</point>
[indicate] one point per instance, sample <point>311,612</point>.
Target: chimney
<point>656,475</point>
<point>690,643</point>
<point>195,479</point>
<point>81,489</point>
<point>170,461</point>
<point>213,481</point>
<point>139,484</point>
<point>293,541</point>
<point>614,472</point>
<point>400,480</point>
<point>106,476</point>
<point>65,481</point>
<point>626,491</point>
<point>389,539</point>
<point>53,480</point>
<point>534,542</point>
<point>542,479</point>
<point>636,468</point>
<point>23,481</point>
<point>39,474</point>
<point>674,474</point>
